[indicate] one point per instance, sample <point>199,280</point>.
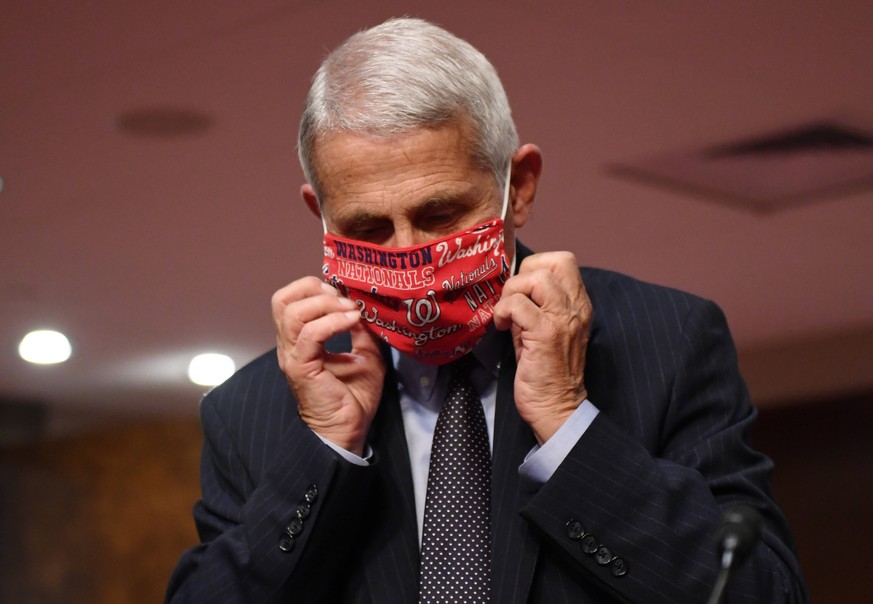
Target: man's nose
<point>406,236</point>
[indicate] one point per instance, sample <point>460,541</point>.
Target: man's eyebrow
<point>441,201</point>
<point>359,218</point>
<point>365,216</point>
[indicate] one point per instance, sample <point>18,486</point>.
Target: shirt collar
<point>419,379</point>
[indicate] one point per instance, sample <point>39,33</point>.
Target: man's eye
<point>442,219</point>
<point>373,234</point>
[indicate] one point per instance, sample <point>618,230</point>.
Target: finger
<point>363,340</point>
<point>542,286</point>
<point>364,356</point>
<point>309,345</point>
<point>564,267</point>
<point>299,313</point>
<point>555,261</point>
<point>561,264</point>
<point>306,287</point>
<point>518,310</point>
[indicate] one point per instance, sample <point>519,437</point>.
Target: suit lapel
<point>515,549</point>
<point>390,559</point>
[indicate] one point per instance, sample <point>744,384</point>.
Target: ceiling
<point>147,250</point>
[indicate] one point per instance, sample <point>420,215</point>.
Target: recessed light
<point>45,347</point>
<point>210,369</point>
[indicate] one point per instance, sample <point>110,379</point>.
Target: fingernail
<point>353,314</point>
<point>328,288</point>
<point>348,303</point>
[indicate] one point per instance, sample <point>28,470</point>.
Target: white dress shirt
<point>421,390</point>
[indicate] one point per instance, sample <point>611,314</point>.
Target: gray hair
<point>406,74</point>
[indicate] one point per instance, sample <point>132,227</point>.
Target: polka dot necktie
<point>456,543</point>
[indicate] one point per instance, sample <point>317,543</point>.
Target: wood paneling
<point>824,460</point>
<point>100,517</point>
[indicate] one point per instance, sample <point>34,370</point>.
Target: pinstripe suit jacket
<point>646,482</point>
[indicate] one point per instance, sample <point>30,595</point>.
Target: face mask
<point>432,301</point>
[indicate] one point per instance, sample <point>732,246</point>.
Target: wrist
<point>352,445</point>
<point>353,441</point>
<point>545,427</point>
<point>358,460</point>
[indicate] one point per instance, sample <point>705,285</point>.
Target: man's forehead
<point>335,150</point>
<point>438,161</point>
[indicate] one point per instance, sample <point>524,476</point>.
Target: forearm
<point>246,553</point>
<point>651,475</point>
<point>659,518</point>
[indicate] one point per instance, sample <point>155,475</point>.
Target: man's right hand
<point>337,394</point>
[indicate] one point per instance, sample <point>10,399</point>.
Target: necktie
<point>456,543</point>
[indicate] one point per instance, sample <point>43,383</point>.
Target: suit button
<point>295,527</point>
<point>590,544</point>
<point>575,531</point>
<point>286,543</point>
<point>303,510</point>
<point>618,567</point>
<point>311,494</point>
<point>603,555</point>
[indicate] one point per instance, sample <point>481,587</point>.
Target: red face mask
<point>432,301</point>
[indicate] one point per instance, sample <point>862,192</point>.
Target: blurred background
<point>149,207</point>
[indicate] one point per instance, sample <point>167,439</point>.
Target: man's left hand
<point>546,307</point>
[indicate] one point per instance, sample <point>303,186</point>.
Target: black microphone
<point>739,532</point>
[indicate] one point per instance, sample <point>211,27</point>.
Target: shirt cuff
<point>348,455</point>
<point>542,461</point>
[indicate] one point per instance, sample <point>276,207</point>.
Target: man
<point>616,420</point>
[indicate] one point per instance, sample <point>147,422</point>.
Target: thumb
<point>363,340</point>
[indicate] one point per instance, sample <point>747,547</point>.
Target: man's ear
<point>527,165</point>
<point>308,195</point>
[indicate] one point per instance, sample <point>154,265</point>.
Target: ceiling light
<point>210,369</point>
<point>45,347</point>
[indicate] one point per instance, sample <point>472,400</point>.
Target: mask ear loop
<point>323,221</point>
<point>503,213</point>
<point>506,190</point>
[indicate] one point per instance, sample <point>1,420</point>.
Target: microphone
<point>739,532</point>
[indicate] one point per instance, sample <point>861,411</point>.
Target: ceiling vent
<point>768,173</point>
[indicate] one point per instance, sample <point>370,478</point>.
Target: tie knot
<point>463,366</point>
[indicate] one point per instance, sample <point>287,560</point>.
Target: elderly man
<point>452,417</point>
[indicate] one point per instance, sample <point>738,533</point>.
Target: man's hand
<point>337,394</point>
<point>549,312</point>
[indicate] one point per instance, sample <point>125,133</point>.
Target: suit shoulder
<point>256,387</point>
<point>262,367</point>
<point>614,286</point>
<point>624,304</point>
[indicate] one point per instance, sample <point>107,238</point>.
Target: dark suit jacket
<point>646,483</point>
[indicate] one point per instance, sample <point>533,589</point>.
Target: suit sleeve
<point>637,502</point>
<point>261,534</point>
